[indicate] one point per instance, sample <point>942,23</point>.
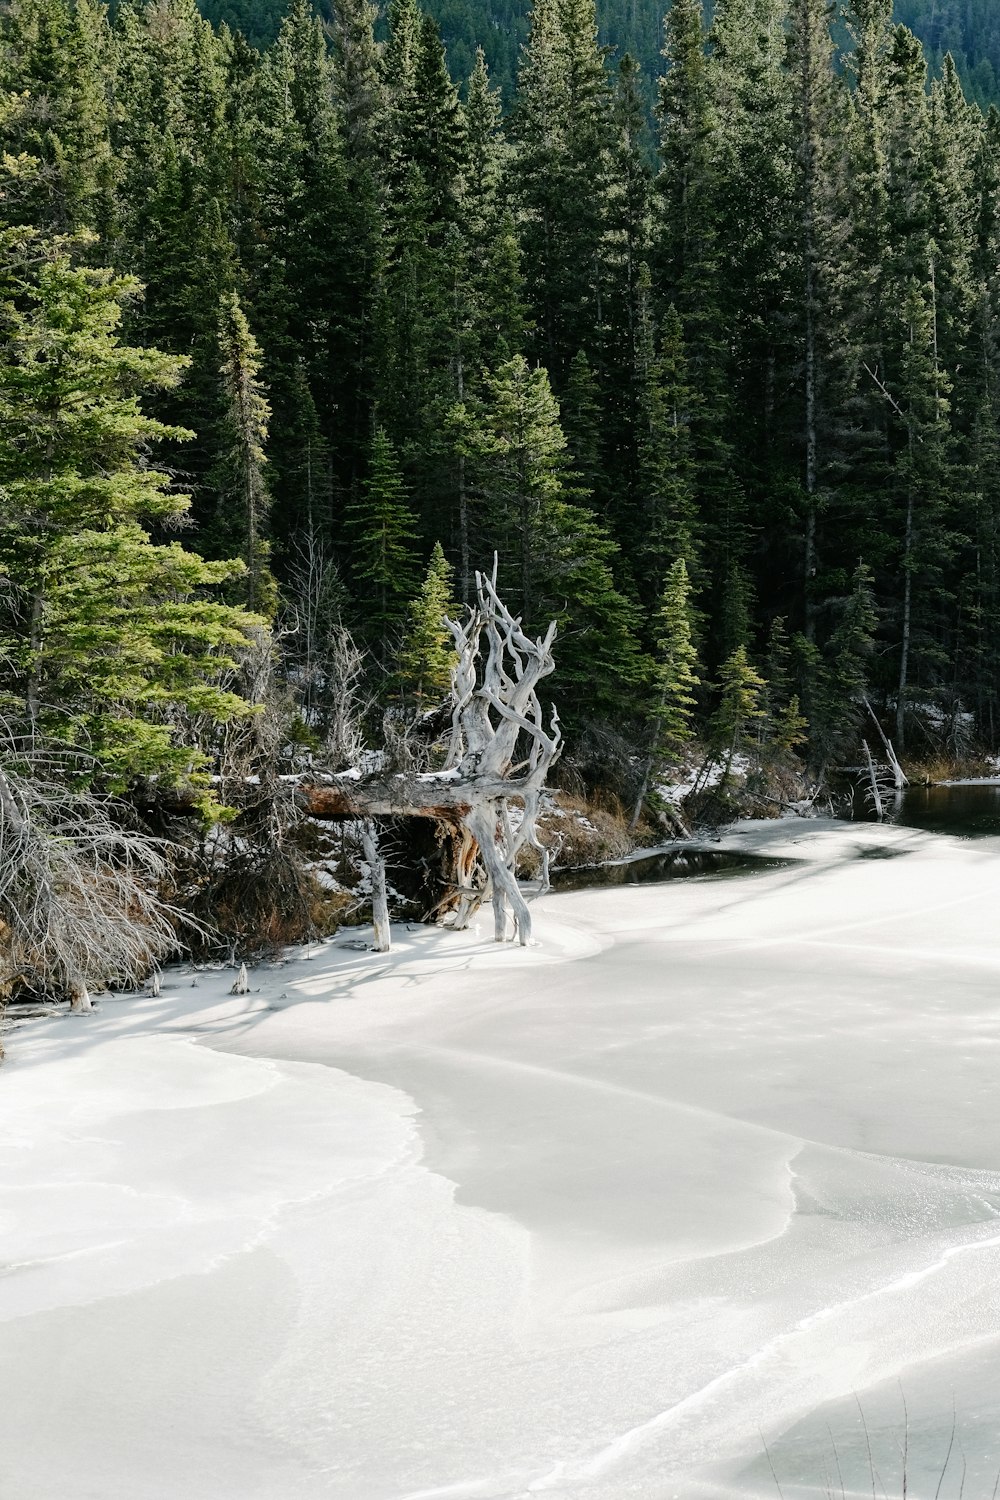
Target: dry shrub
<point>260,900</point>
<point>580,832</point>
<point>80,903</point>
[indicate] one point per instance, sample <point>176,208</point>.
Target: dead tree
<point>79,902</point>
<point>380,902</point>
<point>486,797</point>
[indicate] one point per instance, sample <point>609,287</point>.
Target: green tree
<point>54,119</point>
<point>559,559</point>
<point>244,500</point>
<point>740,707</point>
<point>426,652</point>
<point>107,639</point>
<point>676,661</point>
<point>381,530</point>
<point>561,178</point>
<point>675,678</point>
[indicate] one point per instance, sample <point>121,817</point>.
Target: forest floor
<point>593,1219</point>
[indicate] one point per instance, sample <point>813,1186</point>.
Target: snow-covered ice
<point>708,1166</point>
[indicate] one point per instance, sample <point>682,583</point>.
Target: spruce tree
<point>108,639</point>
<point>740,707</point>
<point>381,529</point>
<point>666,524</point>
<point>54,118</point>
<point>244,499</point>
<point>426,653</point>
<point>561,177</point>
<point>560,560</point>
<point>676,659</point>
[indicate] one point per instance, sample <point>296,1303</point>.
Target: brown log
<point>406,797</point>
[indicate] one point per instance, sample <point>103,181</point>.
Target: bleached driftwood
<point>874,789</point>
<point>899,778</point>
<point>500,750</point>
<point>495,714</point>
<point>380,902</point>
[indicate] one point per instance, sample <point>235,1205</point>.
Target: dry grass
<point>579,831</point>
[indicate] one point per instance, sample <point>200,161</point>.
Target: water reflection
<point>674,864</point>
<point>965,811</point>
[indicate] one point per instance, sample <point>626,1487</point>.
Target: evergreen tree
<point>740,707</point>
<point>563,137</point>
<point>581,424</point>
<point>54,70</point>
<point>381,529</point>
<point>666,523</point>
<point>687,273</point>
<point>107,638</point>
<point>560,559</point>
<point>427,652</point>
<point>244,500</point>
<point>676,678</point>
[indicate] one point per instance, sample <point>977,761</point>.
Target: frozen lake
<point>714,1166</point>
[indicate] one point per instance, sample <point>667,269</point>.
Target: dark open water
<point>965,811</point>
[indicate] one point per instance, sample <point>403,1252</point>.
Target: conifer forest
<point>297,337</point>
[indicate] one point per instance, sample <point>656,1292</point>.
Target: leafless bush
<point>80,903</point>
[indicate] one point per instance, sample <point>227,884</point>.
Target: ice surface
<point>712,1164</point>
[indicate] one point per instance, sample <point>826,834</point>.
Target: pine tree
<point>581,424</point>
<point>560,559</point>
<point>676,661</point>
<point>836,681</point>
<point>666,524</point>
<point>381,529</point>
<point>561,172</point>
<point>108,638</point>
<point>686,273</point>
<point>815,136</point>
<point>54,117</point>
<point>244,499</point>
<point>427,652</point>
<point>922,471</point>
<point>740,706</point>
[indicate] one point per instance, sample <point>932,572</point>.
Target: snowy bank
<point>582,1220</point>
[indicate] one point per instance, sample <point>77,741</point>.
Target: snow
<point>588,1220</point>
<point>705,776</point>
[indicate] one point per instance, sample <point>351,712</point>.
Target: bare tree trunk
<point>380,903</point>
<point>499,751</point>
<point>809,557</point>
<point>504,889</point>
<point>904,653</point>
<point>32,696</point>
<point>899,779</point>
<point>873,782</point>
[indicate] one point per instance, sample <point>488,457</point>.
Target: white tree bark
<point>496,714</point>
<point>380,902</point>
<point>500,750</point>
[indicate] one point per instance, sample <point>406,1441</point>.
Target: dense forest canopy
<point>295,340</point>
<point>968,29</point>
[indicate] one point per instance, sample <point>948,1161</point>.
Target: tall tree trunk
<point>904,652</point>
<point>32,695</point>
